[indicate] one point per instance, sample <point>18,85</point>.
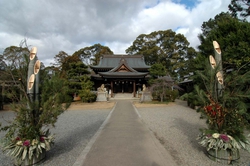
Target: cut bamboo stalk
<point>37,82</point>
<point>212,61</point>
<point>218,60</point>
<point>33,58</point>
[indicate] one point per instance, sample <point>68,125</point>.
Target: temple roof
<point>123,74</point>
<point>123,70</point>
<point>111,61</point>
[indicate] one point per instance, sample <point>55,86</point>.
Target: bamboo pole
<point>219,74</point>
<point>37,80</point>
<point>31,82</point>
<point>31,69</point>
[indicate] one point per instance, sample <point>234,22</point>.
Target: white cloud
<point>164,16</point>
<point>118,46</point>
<point>63,25</point>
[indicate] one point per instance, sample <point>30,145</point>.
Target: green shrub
<point>87,96</point>
<point>192,99</point>
<point>171,95</point>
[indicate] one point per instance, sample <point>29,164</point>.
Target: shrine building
<point>121,73</point>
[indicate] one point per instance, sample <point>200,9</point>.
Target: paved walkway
<point>126,141</point>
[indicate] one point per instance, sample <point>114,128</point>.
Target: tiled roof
<point>111,61</point>
<point>123,74</point>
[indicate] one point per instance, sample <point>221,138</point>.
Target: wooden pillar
<point>134,89</point>
<point>112,88</point>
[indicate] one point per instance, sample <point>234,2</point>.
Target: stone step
<point>123,96</point>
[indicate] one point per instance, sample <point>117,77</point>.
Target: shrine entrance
<point>123,86</point>
<point>121,73</point>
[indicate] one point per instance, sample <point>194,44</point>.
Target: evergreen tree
<point>234,38</point>
<point>76,73</point>
<point>157,70</point>
<point>166,47</point>
<point>91,55</point>
<point>62,63</point>
<point>85,93</point>
<point>239,8</point>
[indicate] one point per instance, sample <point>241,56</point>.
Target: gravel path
<point>177,127</point>
<point>73,131</point>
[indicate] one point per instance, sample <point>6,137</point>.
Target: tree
<point>62,63</point>
<point>2,64</point>
<point>239,7</point>
<point>59,59</point>
<point>76,73</point>
<point>166,47</point>
<point>91,55</point>
<point>85,93</point>
<point>15,60</point>
<point>233,37</point>
<point>157,70</point>
<point>162,87</point>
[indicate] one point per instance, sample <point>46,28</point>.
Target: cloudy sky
<point>63,25</point>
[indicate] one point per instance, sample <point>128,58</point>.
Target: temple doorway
<point>123,87</point>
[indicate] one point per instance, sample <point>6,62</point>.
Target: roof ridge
<point>122,62</point>
<point>121,55</point>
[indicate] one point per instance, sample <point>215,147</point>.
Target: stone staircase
<point>124,96</point>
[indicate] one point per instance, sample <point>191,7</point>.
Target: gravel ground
<point>177,127</point>
<point>4,117</point>
<point>73,131</point>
